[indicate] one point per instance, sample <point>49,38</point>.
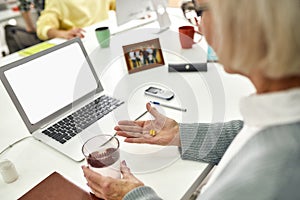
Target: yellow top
<point>68,14</point>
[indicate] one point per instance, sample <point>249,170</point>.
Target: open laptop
<point>59,96</point>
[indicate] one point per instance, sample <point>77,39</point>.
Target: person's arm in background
<point>30,27</point>
<point>49,19</point>
<point>24,7</point>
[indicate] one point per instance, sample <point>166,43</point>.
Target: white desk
<point>207,96</point>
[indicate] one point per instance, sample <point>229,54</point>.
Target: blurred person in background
<point>65,19</point>
<point>25,7</point>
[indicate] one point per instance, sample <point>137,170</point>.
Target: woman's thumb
<point>152,110</point>
<point>125,170</point>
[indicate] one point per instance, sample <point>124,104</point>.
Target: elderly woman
<point>259,39</point>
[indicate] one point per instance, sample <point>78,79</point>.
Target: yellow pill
<point>152,132</point>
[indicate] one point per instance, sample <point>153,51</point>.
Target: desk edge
<point>193,188</point>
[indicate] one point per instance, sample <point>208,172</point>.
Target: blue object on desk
<point>211,55</point>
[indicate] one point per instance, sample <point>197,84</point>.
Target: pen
<point>168,106</point>
<point>114,135</point>
<point>144,113</point>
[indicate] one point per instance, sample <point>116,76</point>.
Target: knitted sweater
<point>267,167</point>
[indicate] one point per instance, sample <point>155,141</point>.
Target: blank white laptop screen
<point>51,82</point>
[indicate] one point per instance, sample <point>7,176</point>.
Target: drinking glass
<point>103,155</point>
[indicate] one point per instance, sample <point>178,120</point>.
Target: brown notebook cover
<point>57,187</point>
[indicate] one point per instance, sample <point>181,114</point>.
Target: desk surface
<point>207,96</point>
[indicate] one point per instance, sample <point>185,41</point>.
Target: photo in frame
<point>143,55</point>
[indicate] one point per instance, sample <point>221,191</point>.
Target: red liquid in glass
<point>103,159</point>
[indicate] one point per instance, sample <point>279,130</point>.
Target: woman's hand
<point>109,188</point>
<point>166,130</point>
<point>73,33</point>
<point>66,34</point>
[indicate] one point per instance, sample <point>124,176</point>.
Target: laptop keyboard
<point>73,124</point>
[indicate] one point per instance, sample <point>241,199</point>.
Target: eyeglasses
<point>192,11</point>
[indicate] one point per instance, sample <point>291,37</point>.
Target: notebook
<point>35,48</point>
<point>60,97</point>
<point>57,187</point>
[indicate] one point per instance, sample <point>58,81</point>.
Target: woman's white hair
<point>262,34</point>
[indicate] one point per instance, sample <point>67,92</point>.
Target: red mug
<point>186,36</point>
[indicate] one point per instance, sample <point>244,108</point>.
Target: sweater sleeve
<point>49,19</point>
<point>142,193</point>
<point>207,142</point>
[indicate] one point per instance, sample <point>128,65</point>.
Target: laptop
<point>60,97</point>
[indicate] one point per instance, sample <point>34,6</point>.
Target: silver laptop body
<point>54,86</point>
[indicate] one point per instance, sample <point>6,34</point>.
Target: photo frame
<point>143,55</point>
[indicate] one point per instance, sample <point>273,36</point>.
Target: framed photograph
<point>143,55</point>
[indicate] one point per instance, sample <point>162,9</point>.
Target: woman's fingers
<point>91,176</point>
<point>125,170</point>
<point>126,128</point>
<point>153,111</point>
<point>131,123</point>
<point>93,181</point>
<point>95,189</point>
<point>142,140</point>
<point>129,134</point>
<point>133,128</point>
<point>78,32</point>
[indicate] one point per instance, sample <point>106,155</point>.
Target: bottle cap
<point>8,171</point>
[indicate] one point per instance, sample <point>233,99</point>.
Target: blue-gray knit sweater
<point>267,167</point>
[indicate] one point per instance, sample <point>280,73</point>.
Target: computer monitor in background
<point>160,7</point>
<point>3,5</point>
<point>128,10</point>
<point>132,9</point>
